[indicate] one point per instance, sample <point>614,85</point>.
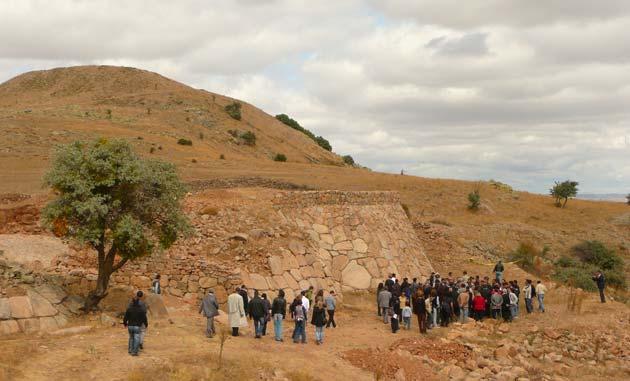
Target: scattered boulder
<point>41,306</point>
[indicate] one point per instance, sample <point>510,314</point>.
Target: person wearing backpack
<point>299,316</point>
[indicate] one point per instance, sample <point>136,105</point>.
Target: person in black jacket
<point>278,312</point>
<point>420,309</point>
<point>267,305</point>
<point>257,312</point>
<point>601,285</point>
<point>242,291</point>
<point>318,319</point>
<point>135,317</point>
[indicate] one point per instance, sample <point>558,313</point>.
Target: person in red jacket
<point>479,306</point>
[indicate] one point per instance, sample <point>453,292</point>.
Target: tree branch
<point>120,264</point>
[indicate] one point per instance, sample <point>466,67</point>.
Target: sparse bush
<point>222,157</point>
<point>280,157</point>
<point>500,186</point>
<point>194,160</point>
<point>233,133</point>
<point>576,277</point>
<point>529,258</point>
<point>152,150</point>
<point>108,112</point>
<point>201,136</point>
<point>160,148</point>
<point>587,258</point>
<point>474,200</point>
<point>184,142</point>
<point>595,253</point>
<point>234,110</point>
<point>149,111</point>
<point>140,138</point>
<point>348,159</point>
<point>249,138</point>
<point>628,198</point>
<point>321,141</point>
<point>563,191</point>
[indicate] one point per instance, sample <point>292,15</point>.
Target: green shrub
<point>321,141</point>
<point>566,261</point>
<point>249,138</point>
<point>615,279</point>
<point>527,257</point>
<point>348,159</point>
<point>234,110</point>
<point>595,253</point>
<point>184,142</point>
<point>576,277</point>
<point>280,157</point>
<point>474,200</point>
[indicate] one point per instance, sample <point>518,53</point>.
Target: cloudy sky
<point>526,92</point>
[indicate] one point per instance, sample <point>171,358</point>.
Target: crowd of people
<point>260,310</point>
<point>441,300</point>
<point>436,302</point>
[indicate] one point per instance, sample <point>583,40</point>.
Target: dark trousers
<point>602,297</point>
<point>331,319</point>
<point>479,315</point>
<point>529,306</point>
<point>234,331</point>
<point>446,317</point>
<point>422,322</point>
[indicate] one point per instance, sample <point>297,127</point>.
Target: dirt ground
<point>178,350</point>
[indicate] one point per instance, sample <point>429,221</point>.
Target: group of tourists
<point>436,303</point>
<point>260,310</point>
<point>441,300</point>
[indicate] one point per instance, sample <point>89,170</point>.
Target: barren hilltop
<point>311,220</point>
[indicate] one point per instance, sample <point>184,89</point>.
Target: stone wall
<point>347,241</point>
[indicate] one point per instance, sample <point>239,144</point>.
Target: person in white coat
<point>236,311</point>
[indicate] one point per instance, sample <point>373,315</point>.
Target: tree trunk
<point>96,295</point>
<point>105,269</point>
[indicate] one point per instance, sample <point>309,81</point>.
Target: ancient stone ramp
<point>355,240</point>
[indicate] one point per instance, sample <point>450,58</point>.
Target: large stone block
<point>338,264</point>
<point>297,247</point>
<point>207,282</point>
<point>41,306</point>
<point>289,261</point>
<point>21,307</point>
<point>293,284</point>
<point>9,327</point>
<point>321,229</point>
<point>306,272</point>
<point>275,264</point>
<point>259,282</point>
<point>48,324</point>
<point>338,234</point>
<point>343,246</point>
<point>53,294</point>
<point>29,325</point>
<point>297,275</point>
<point>5,309</point>
<point>280,281</point>
<point>360,246</point>
<point>327,238</point>
<point>356,276</point>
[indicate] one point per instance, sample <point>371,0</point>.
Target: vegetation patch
<point>284,118</point>
<point>249,138</point>
<point>280,157</point>
<point>234,110</point>
<point>348,160</point>
<point>184,142</point>
<point>577,268</point>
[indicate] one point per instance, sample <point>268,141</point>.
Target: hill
<point>42,108</point>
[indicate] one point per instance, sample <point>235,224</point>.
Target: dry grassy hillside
<point>40,109</point>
